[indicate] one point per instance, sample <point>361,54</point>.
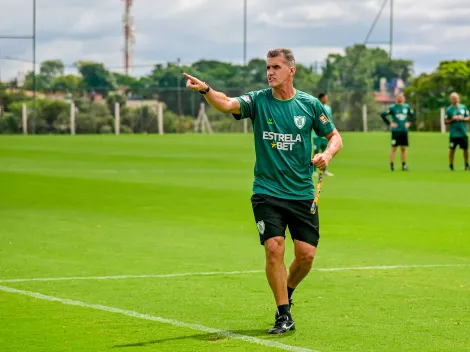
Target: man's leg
<point>465,157</point>
<point>276,270</point>
<point>451,159</point>
<point>392,157</point>
<point>277,277</point>
<point>302,263</point>
<point>403,158</point>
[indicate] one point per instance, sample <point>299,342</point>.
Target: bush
<point>106,129</point>
<point>10,123</point>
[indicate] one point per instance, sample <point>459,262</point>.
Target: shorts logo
<point>451,144</point>
<point>299,121</point>
<point>323,119</point>
<point>261,227</point>
<point>246,98</point>
<point>394,142</point>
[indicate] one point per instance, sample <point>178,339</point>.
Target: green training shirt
<point>401,114</point>
<point>457,128</point>
<point>283,141</point>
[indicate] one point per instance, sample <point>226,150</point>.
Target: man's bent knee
<point>274,248</point>
<point>305,259</point>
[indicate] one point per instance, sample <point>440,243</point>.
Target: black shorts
<point>273,215</point>
<point>462,142</point>
<point>399,138</point>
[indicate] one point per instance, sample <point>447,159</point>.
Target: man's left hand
<point>321,160</point>
<point>407,124</point>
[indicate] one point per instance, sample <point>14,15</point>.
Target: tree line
<point>350,79</point>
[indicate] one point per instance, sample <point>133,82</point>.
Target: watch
<point>205,91</point>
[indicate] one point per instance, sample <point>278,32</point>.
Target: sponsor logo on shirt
<point>281,141</point>
<point>323,119</point>
<point>401,117</point>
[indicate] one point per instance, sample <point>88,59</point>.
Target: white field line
<point>133,314</point>
<point>214,273</point>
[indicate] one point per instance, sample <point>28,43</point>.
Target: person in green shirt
<point>402,117</point>
<point>456,116</point>
<point>283,191</point>
<point>320,143</point>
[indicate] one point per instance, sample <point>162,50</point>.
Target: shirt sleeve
<point>247,106</point>
<point>322,124</point>
<point>386,113</point>
<point>466,113</point>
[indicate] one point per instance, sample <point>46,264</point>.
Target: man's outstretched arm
<point>216,99</point>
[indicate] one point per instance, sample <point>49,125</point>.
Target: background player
<point>402,117</point>
<point>456,116</point>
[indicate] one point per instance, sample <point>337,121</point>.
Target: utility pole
<point>129,38</point>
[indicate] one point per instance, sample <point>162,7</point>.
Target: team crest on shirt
<point>405,111</point>
<point>299,121</point>
<point>261,227</point>
<point>462,111</point>
<point>246,98</point>
<point>323,119</point>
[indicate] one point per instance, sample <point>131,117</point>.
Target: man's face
<point>454,99</point>
<point>400,98</point>
<point>278,72</point>
<point>324,99</point>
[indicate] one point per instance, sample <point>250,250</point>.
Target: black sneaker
<point>283,324</point>
<point>467,168</point>
<point>291,303</point>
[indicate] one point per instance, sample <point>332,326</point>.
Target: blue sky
<point>425,31</point>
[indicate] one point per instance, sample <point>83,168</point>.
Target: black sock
<point>283,309</point>
<point>403,163</point>
<point>466,164</point>
<point>391,166</point>
<point>290,291</point>
<point>451,166</point>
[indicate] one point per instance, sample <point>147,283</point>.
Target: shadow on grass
<point>211,337</point>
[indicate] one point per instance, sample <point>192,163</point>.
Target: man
<point>320,143</point>
<point>456,116</point>
<point>402,117</point>
<point>282,119</point>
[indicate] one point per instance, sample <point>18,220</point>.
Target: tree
<point>52,69</point>
<point>96,78</point>
<point>66,84</point>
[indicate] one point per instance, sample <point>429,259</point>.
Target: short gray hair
<point>286,53</point>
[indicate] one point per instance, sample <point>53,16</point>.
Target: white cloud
<point>425,31</point>
<point>308,54</point>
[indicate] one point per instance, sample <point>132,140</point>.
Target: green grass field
<point>89,206</point>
